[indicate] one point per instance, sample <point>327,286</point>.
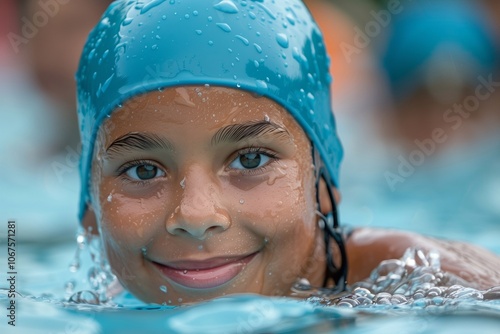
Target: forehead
<point>205,108</point>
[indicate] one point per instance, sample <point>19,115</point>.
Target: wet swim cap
<point>273,48</point>
<point>458,31</point>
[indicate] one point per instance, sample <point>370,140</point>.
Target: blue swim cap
<point>423,27</point>
<point>272,48</point>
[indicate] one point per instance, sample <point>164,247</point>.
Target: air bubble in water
<point>70,286</point>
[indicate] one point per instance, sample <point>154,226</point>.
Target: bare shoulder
<point>367,247</point>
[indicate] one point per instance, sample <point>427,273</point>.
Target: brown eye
<point>144,172</point>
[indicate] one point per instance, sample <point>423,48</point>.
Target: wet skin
<point>220,199</point>
<point>208,191</point>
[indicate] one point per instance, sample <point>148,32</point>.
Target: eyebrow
<point>238,132</point>
<point>134,141</point>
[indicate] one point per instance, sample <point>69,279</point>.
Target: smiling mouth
<point>205,274</point>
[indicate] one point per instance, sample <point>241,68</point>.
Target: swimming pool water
<point>43,278</point>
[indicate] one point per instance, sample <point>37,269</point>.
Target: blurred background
<point>416,95</point>
<point>40,46</point>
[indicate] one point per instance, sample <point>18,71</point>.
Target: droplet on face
<point>110,197</point>
<point>163,288</point>
<point>278,175</point>
<point>183,183</point>
<point>242,201</point>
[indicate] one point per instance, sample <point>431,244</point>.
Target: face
<point>200,192</point>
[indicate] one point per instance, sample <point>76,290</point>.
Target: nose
<point>199,212</point>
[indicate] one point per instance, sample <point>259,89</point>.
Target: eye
<point>144,172</point>
<point>250,160</point>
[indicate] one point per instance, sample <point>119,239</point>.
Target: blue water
<point>42,307</point>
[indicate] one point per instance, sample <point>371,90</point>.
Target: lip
<point>205,274</point>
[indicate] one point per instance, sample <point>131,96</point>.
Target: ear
<point>89,221</point>
<point>324,198</point>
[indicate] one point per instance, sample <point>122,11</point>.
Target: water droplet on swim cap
<point>224,27</point>
<point>282,40</point>
<point>261,84</point>
<point>152,4</point>
<point>243,39</point>
<point>226,6</point>
<point>127,21</point>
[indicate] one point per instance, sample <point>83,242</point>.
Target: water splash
<point>103,282</point>
<point>414,281</point>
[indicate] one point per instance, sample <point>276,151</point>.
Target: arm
<point>367,247</point>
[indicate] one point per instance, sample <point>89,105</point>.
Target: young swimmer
<point>210,155</point>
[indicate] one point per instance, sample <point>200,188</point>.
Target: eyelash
<point>273,157</point>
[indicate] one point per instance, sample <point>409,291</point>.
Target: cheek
<point>282,208</point>
<point>130,223</point>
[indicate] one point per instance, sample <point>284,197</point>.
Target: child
<point>210,156</point>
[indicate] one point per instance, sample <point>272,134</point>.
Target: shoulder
<point>367,247</point>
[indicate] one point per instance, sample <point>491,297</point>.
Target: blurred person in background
<point>357,87</point>
<point>435,165</point>
<point>39,133</point>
